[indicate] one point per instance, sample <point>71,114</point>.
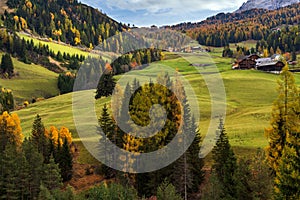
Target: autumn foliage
<point>10,129</point>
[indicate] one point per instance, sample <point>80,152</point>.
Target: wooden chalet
<point>275,66</point>
<point>247,62</point>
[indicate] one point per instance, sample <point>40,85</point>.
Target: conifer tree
<point>106,86</point>
<point>166,191</point>
<point>44,193</point>
<point>52,178</point>
<point>39,138</point>
<point>224,163</point>
<point>284,117</point>
<point>66,161</point>
<point>287,180</point>
<point>10,130</point>
<point>7,65</point>
<point>108,128</point>
<point>11,172</point>
<point>36,164</point>
<point>6,100</point>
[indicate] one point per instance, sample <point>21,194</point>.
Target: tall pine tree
<point>224,164</point>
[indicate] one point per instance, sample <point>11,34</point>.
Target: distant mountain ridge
<point>266,4</point>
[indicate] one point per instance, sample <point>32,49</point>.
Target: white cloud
<point>163,6</point>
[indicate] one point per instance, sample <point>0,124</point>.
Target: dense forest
<point>279,28</point>
<point>62,20</point>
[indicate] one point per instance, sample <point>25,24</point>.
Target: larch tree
<point>283,152</point>
<point>10,130</point>
<point>284,118</point>
<point>287,180</point>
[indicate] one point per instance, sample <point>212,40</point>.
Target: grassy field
<point>249,100</point>
<point>56,47</point>
<point>33,81</point>
<point>62,48</point>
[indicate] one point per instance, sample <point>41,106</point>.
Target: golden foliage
<point>58,136</point>
<point>16,18</point>
<point>10,126</point>
<point>28,4</point>
<point>51,15</point>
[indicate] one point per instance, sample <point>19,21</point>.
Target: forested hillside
<point>63,20</point>
<point>278,28</point>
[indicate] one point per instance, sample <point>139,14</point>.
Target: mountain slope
<point>68,21</point>
<point>266,4</point>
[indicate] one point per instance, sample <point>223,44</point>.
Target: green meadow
<point>63,48</point>
<point>33,81</point>
<point>55,46</point>
<point>249,97</point>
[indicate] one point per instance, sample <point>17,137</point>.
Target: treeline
<point>93,68</point>
<point>139,106</point>
<point>63,20</point>
<point>28,52</point>
<point>229,178</point>
<point>7,102</point>
<point>249,25</point>
<point>6,66</point>
<point>34,166</point>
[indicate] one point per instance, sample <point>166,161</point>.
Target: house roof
<point>267,63</point>
<point>245,57</point>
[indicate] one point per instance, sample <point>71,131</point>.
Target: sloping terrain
<point>266,4</point>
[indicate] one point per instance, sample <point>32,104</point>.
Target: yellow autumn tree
<point>58,136</point>
<point>284,119</point>
<point>10,130</point>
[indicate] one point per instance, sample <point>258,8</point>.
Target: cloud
<point>172,6</point>
<point>163,12</point>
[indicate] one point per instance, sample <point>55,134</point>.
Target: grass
<point>62,47</point>
<point>249,95</point>
<point>33,81</point>
<point>56,47</point>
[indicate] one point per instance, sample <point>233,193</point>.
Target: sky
<point>162,12</point>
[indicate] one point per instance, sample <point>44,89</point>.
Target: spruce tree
<point>11,172</point>
<point>66,161</point>
<point>108,128</point>
<point>39,138</point>
<point>44,193</point>
<point>243,180</point>
<point>166,191</point>
<point>194,160</point>
<point>106,86</point>
<point>7,65</point>
<point>36,164</point>
<point>51,178</point>
<point>224,165</point>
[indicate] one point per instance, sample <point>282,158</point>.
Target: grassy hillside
<point>249,100</point>
<point>55,46</point>
<point>63,48</point>
<point>33,81</point>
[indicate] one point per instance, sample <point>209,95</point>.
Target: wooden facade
<point>247,62</point>
<point>271,67</point>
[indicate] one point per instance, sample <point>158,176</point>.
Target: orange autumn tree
<point>54,142</point>
<point>59,136</point>
<point>10,130</point>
